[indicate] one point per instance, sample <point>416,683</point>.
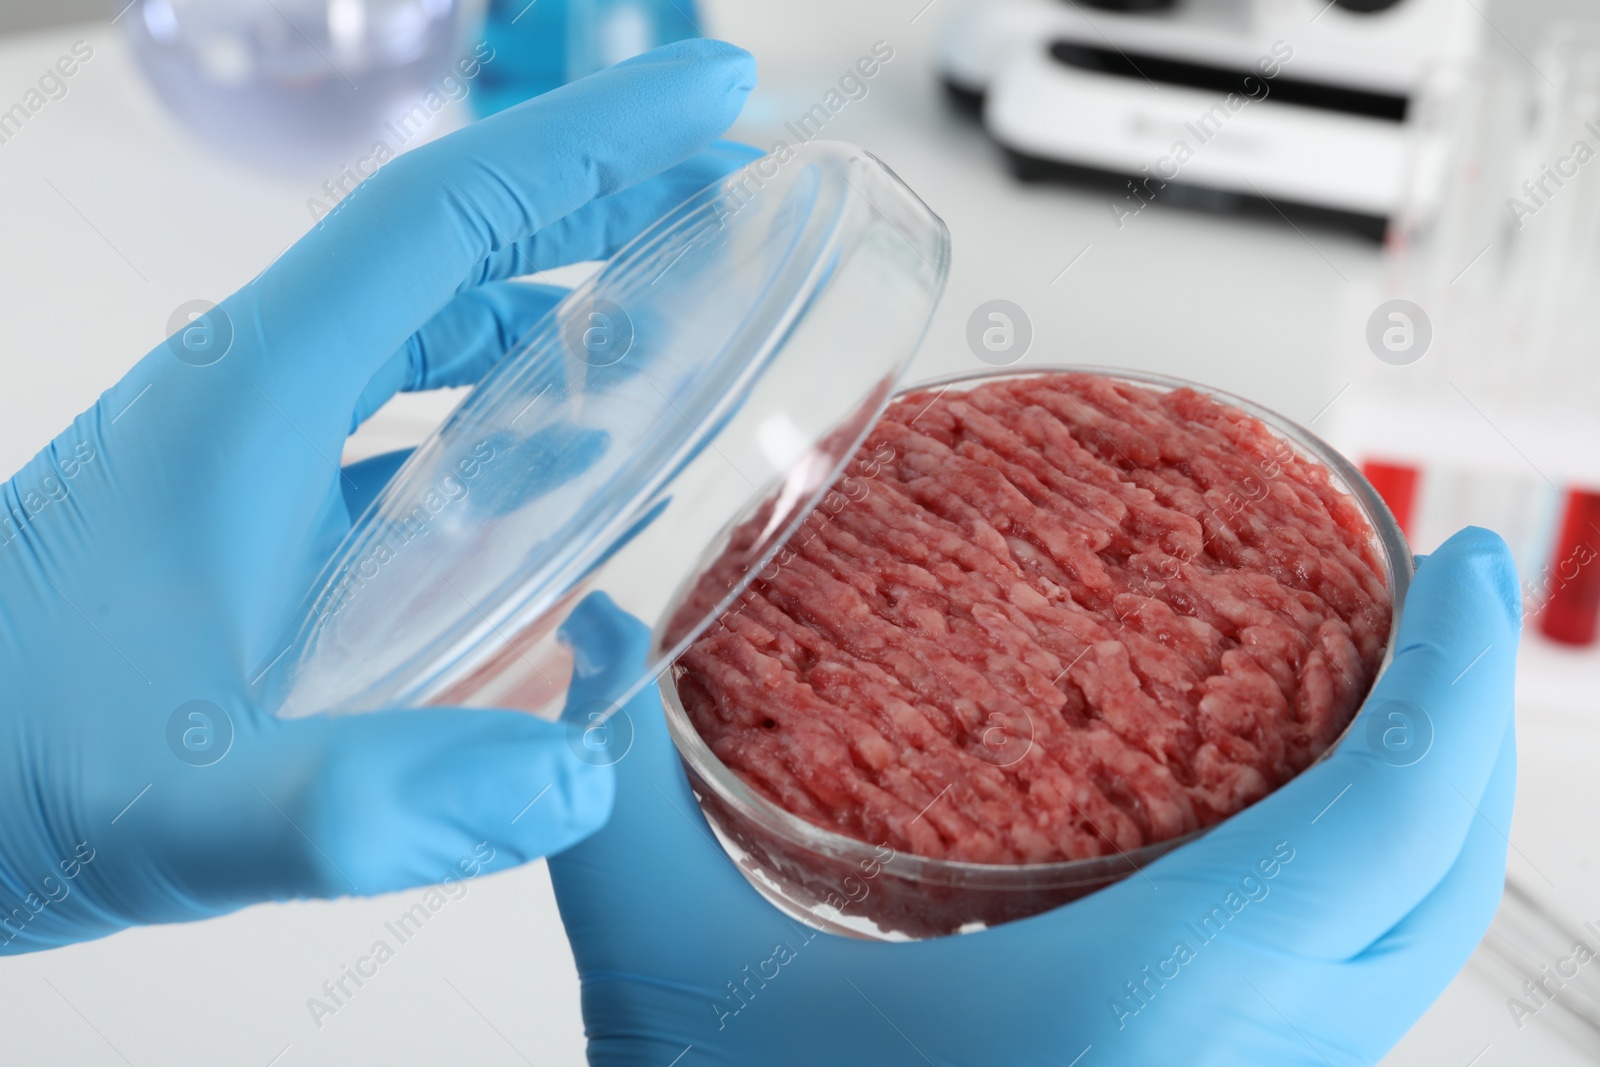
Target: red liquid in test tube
<point>1573,612</point>
<point>1397,484</point>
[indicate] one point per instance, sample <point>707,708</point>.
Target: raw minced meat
<point>1045,619</point>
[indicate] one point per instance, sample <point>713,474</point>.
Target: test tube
<point>1396,482</point>
<point>1571,614</point>
<point>1553,218</point>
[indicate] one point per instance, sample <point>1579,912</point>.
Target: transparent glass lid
<point>726,363</point>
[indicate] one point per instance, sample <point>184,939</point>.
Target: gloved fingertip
<point>603,638</point>
<point>1482,557</point>
<point>576,802</point>
<point>738,63</point>
<point>401,796</point>
<point>526,785</point>
<point>553,795</point>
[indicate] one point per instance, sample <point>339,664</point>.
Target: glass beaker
<point>294,82</point>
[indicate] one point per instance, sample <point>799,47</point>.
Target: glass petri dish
<point>731,356</point>
<point>847,886</point>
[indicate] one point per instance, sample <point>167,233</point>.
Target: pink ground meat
<point>1047,619</point>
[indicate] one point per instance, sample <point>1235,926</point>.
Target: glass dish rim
<point>830,201</point>
<point>704,765</point>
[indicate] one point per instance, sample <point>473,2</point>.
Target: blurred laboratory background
<point>1383,221</point>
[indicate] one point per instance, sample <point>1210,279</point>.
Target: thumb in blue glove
<point>157,551</point>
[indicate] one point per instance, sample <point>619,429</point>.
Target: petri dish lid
<point>721,368</point>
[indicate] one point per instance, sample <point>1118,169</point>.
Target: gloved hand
<point>1349,898</point>
<point>154,554</point>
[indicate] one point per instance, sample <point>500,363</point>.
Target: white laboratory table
<point>112,216</point>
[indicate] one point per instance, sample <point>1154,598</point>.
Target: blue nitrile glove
<point>1351,897</point>
<point>157,551</point>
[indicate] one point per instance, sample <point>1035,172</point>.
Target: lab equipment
<point>1312,928</point>
<point>734,354</point>
<point>1571,611</point>
<point>1298,106</point>
<point>294,83</point>
<point>542,45</point>
<point>147,550</point>
<point>1486,415</point>
<point>1543,961</point>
